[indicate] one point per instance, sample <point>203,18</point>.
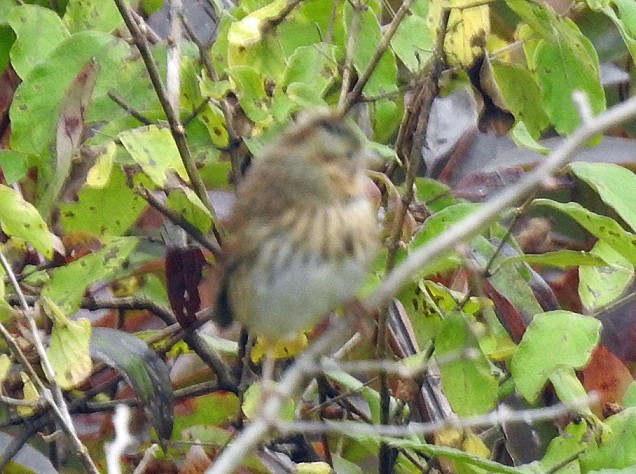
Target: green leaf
<point>154,149</point>
<point>214,120</point>
<point>38,31</point>
<point>143,369</point>
<point>186,203</point>
<point>251,29</point>
<point>37,102</point>
<point>520,94</point>
<point>214,409</point>
<point>247,48</point>
<point>509,280</point>
<point>615,185</point>
<point>413,43</point>
<point>599,287</point>
<point>434,194</point>
<point>537,359</point>
<point>14,165</point>
<point>67,284</point>
<point>308,24</point>
<point>19,218</point>
<point>253,404</point>
<point>93,210</point>
<point>437,224</point>
<point>604,228</point>
<point>540,17</point>
<point>313,65</point>
<point>468,382</point>
<point>625,22</point>
<point>563,68</point>
<point>618,449</point>
<point>480,464</point>
<point>559,259</point>
<point>249,86</point>
<point>354,385</point>
<point>68,348</point>
<point>7,38</point>
<point>566,446</point>
<point>92,15</point>
<point>522,137</point>
<point>569,388</point>
<point>368,37</point>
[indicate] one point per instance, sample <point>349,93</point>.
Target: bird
<point>303,231</point>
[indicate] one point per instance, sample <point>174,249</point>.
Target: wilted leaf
<point>99,173</point>
<point>29,394</point>
<point>607,376</point>
<point>143,369</point>
<point>70,129</point>
<point>183,275</point>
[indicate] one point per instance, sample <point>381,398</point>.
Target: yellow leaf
<point>30,394</point>
<point>313,468</point>
<point>466,31</point>
<point>5,365</point>
<point>280,349</point>
<point>99,174</point>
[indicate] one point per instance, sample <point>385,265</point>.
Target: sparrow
<point>303,231</point>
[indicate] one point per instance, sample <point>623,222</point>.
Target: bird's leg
<point>269,362</point>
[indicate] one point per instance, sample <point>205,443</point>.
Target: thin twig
<point>181,222</point>
<point>53,396</point>
<point>176,128</point>
<point>348,65</point>
<point>353,96</point>
<point>119,100</point>
<point>495,418</point>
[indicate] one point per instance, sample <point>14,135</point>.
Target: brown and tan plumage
<point>303,231</point>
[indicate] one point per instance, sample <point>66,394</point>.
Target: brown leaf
<point>183,274</point>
